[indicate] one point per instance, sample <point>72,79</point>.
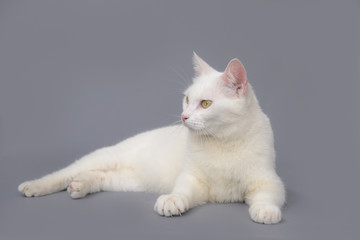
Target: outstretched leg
<point>97,180</point>
<point>103,159</point>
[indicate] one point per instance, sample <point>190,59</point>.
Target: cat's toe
<point>171,205</point>
<point>77,189</point>
<point>265,213</point>
<point>32,189</point>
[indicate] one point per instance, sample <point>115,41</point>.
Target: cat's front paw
<point>265,213</point>
<point>171,205</point>
<point>33,188</point>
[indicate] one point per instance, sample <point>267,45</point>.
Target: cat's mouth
<point>191,126</point>
<point>194,126</point>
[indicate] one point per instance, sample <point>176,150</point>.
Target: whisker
<point>186,77</point>
<point>212,133</point>
<point>174,116</point>
<point>202,142</point>
<point>183,79</point>
<point>177,128</point>
<point>176,123</point>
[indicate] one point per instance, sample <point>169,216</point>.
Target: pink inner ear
<point>235,75</point>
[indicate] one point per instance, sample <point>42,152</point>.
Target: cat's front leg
<point>172,205</point>
<point>187,193</point>
<point>265,200</point>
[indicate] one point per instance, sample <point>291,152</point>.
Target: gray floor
<point>79,75</point>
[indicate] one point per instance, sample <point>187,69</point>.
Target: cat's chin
<point>196,130</point>
<point>193,127</point>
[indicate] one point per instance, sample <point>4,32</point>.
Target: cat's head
<point>216,101</point>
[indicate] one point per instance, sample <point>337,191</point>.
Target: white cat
<point>224,153</point>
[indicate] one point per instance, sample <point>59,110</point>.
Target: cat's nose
<point>184,117</point>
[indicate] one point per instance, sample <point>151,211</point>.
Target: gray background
<point>81,74</point>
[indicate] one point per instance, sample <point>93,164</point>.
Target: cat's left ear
<point>235,77</point>
<point>200,66</point>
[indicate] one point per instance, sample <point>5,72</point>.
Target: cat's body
<point>224,153</point>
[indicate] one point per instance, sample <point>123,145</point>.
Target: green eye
<point>187,100</point>
<point>206,103</point>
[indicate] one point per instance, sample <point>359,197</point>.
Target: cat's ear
<point>235,77</point>
<point>200,66</point>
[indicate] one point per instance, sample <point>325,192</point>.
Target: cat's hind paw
<point>32,189</point>
<point>171,205</point>
<point>78,188</point>
<point>265,213</point>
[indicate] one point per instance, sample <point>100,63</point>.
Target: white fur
<point>224,154</point>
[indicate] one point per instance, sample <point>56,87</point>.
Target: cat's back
<point>155,142</point>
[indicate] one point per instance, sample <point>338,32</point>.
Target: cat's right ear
<point>200,66</point>
<point>235,77</point>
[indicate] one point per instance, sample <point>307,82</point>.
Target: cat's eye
<point>187,100</point>
<point>206,103</point>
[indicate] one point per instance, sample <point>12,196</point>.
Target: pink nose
<point>184,117</point>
